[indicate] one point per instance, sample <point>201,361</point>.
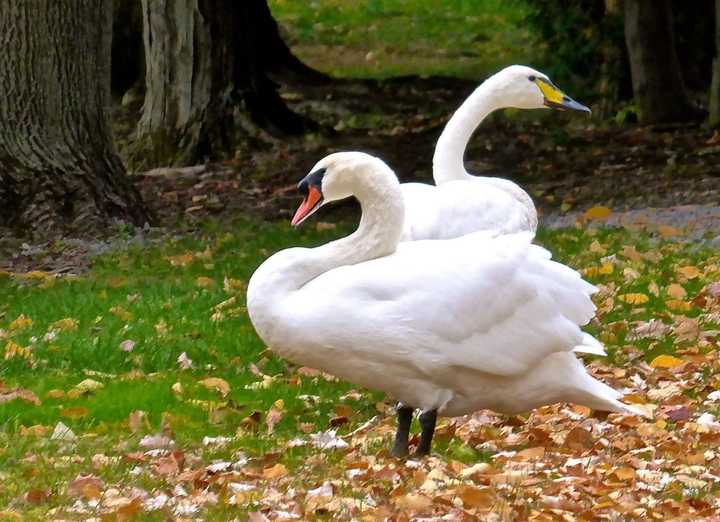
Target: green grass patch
<point>384,38</point>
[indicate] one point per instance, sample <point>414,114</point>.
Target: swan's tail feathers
<point>599,396</point>
<point>590,345</point>
<point>582,388</point>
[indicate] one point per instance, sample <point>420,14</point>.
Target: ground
<point>132,383</point>
<point>140,388</point>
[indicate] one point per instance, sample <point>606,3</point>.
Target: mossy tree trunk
<point>59,172</point>
<point>657,80</point>
<point>205,58</point>
<point>715,86</point>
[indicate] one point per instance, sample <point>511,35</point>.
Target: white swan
<point>448,326</point>
<point>461,203</point>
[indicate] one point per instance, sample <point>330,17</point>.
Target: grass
<point>165,299</point>
<point>385,38</point>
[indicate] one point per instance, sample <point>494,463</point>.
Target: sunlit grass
<point>384,38</point>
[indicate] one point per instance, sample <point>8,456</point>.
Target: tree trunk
<point>59,171</point>
<point>202,58</point>
<point>715,86</point>
<point>656,75</point>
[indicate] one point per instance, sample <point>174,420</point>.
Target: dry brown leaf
<point>689,272</point>
<point>530,454</point>
<point>579,439</point>
<point>274,415</point>
<point>273,472</point>
<point>87,486</point>
<point>474,497</point>
<point>676,291</point>
<point>217,384</point>
<point>413,501</point>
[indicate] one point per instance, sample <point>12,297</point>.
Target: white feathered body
<point>458,325</point>
<point>460,207</point>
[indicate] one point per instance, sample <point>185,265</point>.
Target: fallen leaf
<point>676,291</point>
<point>579,439</point>
<point>634,298</point>
<point>19,393</point>
<point>599,212</point>
<point>121,313</point>
<point>274,415</point>
<point>136,420</point>
<point>89,385</point>
<point>184,361</point>
<point>88,486</point>
<point>273,472</point>
<point>217,384</point>
<point>21,322</point>
<point>36,496</point>
<point>412,501</point>
<point>204,282</point>
<point>474,497</point>
<point>665,361</point>
<point>689,272</point>
<point>66,325</point>
<point>14,350</point>
<point>74,413</point>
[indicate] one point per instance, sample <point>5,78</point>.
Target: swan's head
<point>525,88</point>
<point>337,177</point>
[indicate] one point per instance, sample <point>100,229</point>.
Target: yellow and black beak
<point>556,99</point>
<point>311,189</point>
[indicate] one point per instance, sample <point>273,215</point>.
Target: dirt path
<point>685,222</point>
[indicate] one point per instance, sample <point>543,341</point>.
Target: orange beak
<point>309,204</point>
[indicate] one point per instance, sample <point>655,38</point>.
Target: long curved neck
<point>448,164</point>
<point>377,235</point>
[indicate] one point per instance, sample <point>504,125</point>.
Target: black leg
<point>427,425</point>
<point>404,418</point>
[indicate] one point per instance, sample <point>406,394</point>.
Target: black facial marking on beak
<point>314,179</point>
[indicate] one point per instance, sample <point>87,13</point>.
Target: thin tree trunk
<point>715,86</point>
<point>59,171</point>
<point>204,57</point>
<point>656,75</point>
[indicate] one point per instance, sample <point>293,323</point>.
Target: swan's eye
<point>532,78</point>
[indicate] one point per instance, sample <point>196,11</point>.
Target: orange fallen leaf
<point>74,413</point>
<point>678,306</point>
<point>668,231</point>
<point>20,323</point>
<point>625,473</point>
<point>690,272</point>
<point>666,361</point>
<point>634,298</point>
<point>599,212</point>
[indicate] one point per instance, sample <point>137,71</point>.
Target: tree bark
<point>205,58</point>
<point>59,171</point>
<point>656,75</point>
<point>715,85</point>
